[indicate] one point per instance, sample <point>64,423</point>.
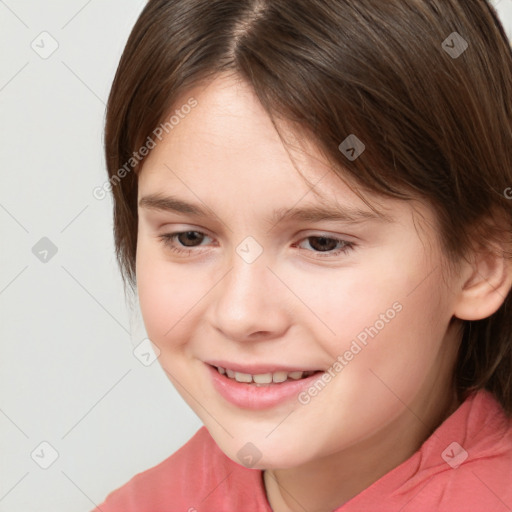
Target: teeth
<point>243,377</point>
<point>279,376</point>
<point>263,378</point>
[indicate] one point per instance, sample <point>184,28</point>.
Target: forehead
<point>226,149</point>
<point>228,127</point>
<point>229,138</point>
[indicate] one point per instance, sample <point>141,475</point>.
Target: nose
<point>249,303</point>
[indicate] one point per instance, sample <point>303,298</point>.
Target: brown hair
<point>436,124</point>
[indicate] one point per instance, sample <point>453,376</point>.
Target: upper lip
<point>258,369</point>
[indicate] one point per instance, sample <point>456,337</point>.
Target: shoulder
<point>483,482</point>
<point>175,483</point>
<point>469,464</point>
<point>465,465</point>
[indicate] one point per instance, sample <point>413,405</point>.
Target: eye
<point>325,246</point>
<point>189,239</point>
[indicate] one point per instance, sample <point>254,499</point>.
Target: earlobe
<point>485,286</point>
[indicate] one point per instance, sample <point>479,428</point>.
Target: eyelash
<point>168,238</point>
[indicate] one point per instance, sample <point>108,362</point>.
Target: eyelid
<point>175,228</point>
<point>347,246</point>
<point>299,236</point>
<point>325,233</point>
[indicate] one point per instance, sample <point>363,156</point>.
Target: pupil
<point>322,245</point>
<point>191,236</point>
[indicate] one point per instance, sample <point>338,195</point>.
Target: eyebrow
<point>314,213</point>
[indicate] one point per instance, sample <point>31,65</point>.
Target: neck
<point>328,482</point>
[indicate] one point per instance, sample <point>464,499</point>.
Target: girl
<point>312,199</point>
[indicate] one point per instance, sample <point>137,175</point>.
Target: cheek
<point>392,339</point>
<point>341,303</point>
<point>384,309</point>
<point>167,295</point>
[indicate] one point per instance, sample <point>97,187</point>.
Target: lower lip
<point>250,396</point>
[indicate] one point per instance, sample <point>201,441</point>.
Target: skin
<point>295,304</point>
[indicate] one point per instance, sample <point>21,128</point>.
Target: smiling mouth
<point>265,378</point>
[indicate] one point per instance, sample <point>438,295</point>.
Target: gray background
<point>69,377</point>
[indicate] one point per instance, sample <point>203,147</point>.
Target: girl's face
<point>361,299</point>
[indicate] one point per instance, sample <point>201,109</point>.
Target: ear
<point>486,282</point>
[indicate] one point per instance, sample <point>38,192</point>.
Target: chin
<point>267,453</point>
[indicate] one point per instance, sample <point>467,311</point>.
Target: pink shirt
<point>465,465</point>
